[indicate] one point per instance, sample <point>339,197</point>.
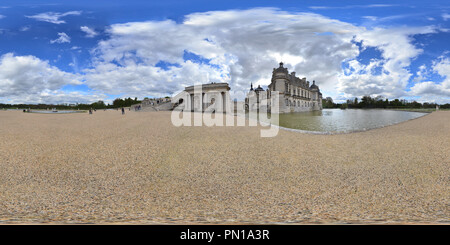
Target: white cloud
<point>2,16</point>
<point>143,80</point>
<point>380,20</point>
<point>421,74</point>
<point>388,76</point>
<point>242,46</point>
<point>372,18</point>
<point>445,16</point>
<point>439,92</point>
<point>354,6</point>
<point>24,28</point>
<point>63,38</point>
<point>56,97</point>
<point>27,79</point>
<point>89,32</point>
<point>53,17</point>
<point>442,67</point>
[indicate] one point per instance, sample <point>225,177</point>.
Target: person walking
<point>123,111</point>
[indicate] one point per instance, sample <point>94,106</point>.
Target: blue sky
<point>83,51</point>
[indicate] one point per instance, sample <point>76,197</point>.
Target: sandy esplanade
<point>139,168</point>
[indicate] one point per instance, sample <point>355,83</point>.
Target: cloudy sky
<point>84,51</point>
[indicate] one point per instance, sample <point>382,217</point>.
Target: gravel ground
<point>138,168</point>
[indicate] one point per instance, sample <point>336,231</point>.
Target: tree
<point>366,101</point>
<point>416,104</point>
<point>98,105</point>
<point>328,103</point>
<point>118,103</point>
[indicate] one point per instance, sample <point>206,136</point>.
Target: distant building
<point>296,95</point>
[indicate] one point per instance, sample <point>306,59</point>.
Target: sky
<point>84,51</point>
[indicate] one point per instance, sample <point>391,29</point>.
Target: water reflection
<point>336,120</point>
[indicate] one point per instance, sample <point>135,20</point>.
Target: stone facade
<point>296,94</point>
<point>153,104</point>
<point>200,97</point>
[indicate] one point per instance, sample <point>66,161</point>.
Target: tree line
<point>117,103</point>
<point>367,102</point>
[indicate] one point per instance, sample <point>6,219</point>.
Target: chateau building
<point>296,94</point>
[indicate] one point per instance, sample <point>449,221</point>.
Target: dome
<point>259,88</point>
<point>314,86</point>
<point>281,68</point>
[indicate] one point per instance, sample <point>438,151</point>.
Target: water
<point>336,120</point>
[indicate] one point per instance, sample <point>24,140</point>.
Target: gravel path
<point>138,168</point>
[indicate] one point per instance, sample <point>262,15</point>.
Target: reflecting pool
<point>337,120</point>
